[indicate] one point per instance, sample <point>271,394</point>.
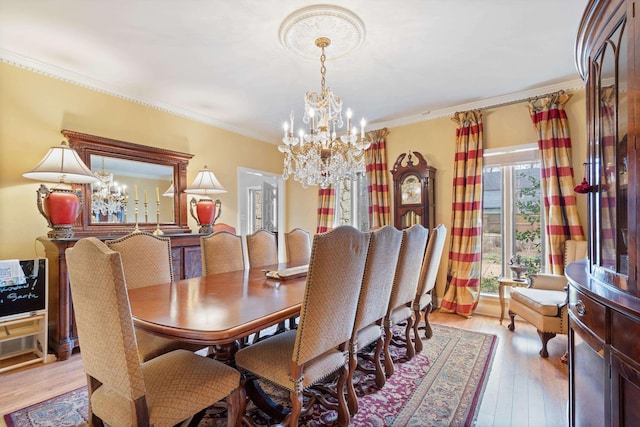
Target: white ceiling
<point>221,61</point>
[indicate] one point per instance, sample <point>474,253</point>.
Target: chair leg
<point>296,409</point>
<point>407,333</point>
<point>236,407</point>
<point>545,337</point>
<point>343,410</point>
<point>428,332</point>
<point>417,343</point>
<point>380,375</point>
<point>512,325</point>
<point>352,398</point>
<point>388,362</point>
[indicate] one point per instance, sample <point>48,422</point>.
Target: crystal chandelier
<point>107,198</point>
<point>321,157</point>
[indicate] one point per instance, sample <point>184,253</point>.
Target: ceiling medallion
<point>302,28</point>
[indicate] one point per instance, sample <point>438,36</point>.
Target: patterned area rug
<point>442,386</point>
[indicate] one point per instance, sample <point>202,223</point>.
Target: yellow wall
<point>35,108</point>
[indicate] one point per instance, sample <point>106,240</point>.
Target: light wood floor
<point>523,388</point>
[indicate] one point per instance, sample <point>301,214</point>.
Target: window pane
<point>528,224</point>
<point>492,226</point>
<point>512,229</point>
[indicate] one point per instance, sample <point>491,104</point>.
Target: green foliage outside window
<point>528,238</point>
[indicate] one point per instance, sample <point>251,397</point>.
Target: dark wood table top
<point>217,309</point>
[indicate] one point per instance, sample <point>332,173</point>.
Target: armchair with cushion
<point>543,303</point>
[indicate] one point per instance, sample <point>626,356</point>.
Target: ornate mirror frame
<point>87,145</point>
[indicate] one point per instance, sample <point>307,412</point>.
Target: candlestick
<point>135,192</point>
<point>146,208</point>
<point>157,194</point>
<point>157,231</point>
<point>145,197</point>
<point>136,229</point>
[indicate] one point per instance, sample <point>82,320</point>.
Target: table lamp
<point>205,184</point>
<point>60,205</point>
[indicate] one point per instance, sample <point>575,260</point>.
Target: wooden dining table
<point>218,310</point>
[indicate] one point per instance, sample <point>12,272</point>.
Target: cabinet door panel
<point>625,389</point>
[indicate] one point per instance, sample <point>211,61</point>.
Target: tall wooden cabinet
<point>63,336</point>
<point>604,294</point>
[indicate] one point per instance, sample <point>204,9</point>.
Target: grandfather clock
<point>414,191</point>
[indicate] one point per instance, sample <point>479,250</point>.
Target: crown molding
<point>67,76</point>
<point>496,101</point>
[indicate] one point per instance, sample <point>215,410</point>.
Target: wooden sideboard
<point>63,337</point>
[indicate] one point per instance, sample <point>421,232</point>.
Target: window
<point>512,227</point>
<point>353,202</point>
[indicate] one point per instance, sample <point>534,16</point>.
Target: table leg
<point>226,352</point>
<point>501,296</point>
<point>262,400</point>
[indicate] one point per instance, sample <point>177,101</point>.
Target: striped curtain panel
<point>560,210</point>
<point>608,178</point>
<point>377,181</point>
<point>326,209</point>
<point>465,253</point>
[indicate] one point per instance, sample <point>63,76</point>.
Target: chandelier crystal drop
<point>321,157</point>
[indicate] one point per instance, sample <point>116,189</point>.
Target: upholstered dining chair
<point>123,391</point>
<point>405,286</point>
<point>298,245</point>
<point>262,249</point>
<point>377,282</point>
<point>146,260</point>
<point>220,226</point>
<point>423,301</point>
<point>298,359</point>
<point>543,303</point>
<point>221,252</point>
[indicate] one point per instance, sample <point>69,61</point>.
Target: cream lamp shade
<point>62,164</point>
<point>60,205</point>
<point>205,183</point>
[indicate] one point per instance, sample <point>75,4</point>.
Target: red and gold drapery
<point>560,209</point>
<point>377,182</point>
<point>465,253</point>
<point>326,209</point>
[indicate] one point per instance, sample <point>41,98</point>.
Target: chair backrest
<point>221,252</point>
<point>298,245</point>
<point>103,317</point>
<point>432,258</point>
<point>146,259</point>
<point>575,250</point>
<point>224,227</point>
<point>331,294</point>
<point>379,272</point>
<point>262,249</point>
<point>405,284</point>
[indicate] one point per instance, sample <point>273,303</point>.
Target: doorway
<point>261,204</point>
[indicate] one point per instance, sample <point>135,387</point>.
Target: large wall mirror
<point>155,177</point>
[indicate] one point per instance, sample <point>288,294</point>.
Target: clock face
<point>411,190</point>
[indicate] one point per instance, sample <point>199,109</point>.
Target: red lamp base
<point>60,207</point>
<point>208,211</point>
